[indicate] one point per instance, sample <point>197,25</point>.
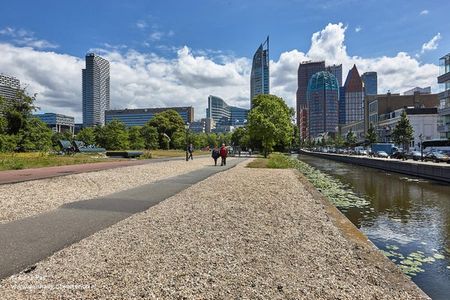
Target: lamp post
<point>421,146</point>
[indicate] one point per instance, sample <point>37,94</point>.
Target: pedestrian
<point>189,151</point>
<point>250,151</point>
<point>223,154</point>
<point>215,154</point>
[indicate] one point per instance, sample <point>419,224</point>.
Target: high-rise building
<point>224,114</point>
<point>305,71</point>
<point>342,105</point>
<point>96,98</point>
<point>323,101</point>
<point>140,116</point>
<point>444,97</point>
<point>425,91</point>
<point>259,78</point>
<point>9,86</point>
<point>370,80</point>
<point>354,97</point>
<point>336,70</point>
<point>58,122</point>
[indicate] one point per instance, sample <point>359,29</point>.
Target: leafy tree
<point>135,138</point>
<point>3,125</point>
<point>403,132</point>
<point>351,139</point>
<point>36,137</point>
<point>8,142</point>
<point>167,122</point>
<point>371,135</point>
<point>240,137</point>
<point>87,136</point>
<point>179,139</point>
<point>19,112</point>
<point>150,136</point>
<point>338,141</point>
<point>270,122</point>
<point>113,136</point>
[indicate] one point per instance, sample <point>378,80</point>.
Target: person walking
<point>189,151</point>
<point>223,154</point>
<point>215,154</point>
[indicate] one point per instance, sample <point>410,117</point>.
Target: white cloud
<point>141,24</point>
<point>358,29</point>
<point>26,38</point>
<point>150,80</point>
<point>424,12</point>
<point>432,44</point>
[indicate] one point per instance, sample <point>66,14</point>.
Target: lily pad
<point>438,256</point>
<point>392,247</point>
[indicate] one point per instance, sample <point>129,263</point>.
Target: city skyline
<point>188,70</point>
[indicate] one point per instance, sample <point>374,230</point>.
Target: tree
<point>135,138</point>
<point>36,137</point>
<point>403,132</point>
<point>179,140</point>
<point>338,141</point>
<point>270,122</point>
<point>57,136</point>
<point>8,143</point>
<point>113,136</point>
<point>371,135</point>
<point>240,137</point>
<point>351,138</point>
<point>167,122</point>
<point>150,136</point>
<point>19,112</point>
<point>87,136</point>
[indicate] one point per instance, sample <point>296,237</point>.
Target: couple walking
<point>222,152</point>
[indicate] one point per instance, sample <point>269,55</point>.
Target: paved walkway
<point>15,176</point>
<point>28,241</point>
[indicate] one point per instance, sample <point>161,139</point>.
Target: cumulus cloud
<point>150,80</point>
<point>358,29</point>
<point>431,44</point>
<point>424,12</point>
<point>26,38</point>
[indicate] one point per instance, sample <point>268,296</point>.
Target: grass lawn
<point>17,161</point>
<point>274,161</point>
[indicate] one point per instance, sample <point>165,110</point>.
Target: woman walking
<point>215,154</point>
<point>223,155</point>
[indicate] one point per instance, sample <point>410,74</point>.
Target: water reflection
<point>405,212</point>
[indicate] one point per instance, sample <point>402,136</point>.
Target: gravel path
<point>241,234</point>
<point>28,198</point>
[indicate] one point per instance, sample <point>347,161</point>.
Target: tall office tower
<point>95,90</point>
<point>323,100</point>
<point>354,97</point>
<point>370,80</point>
<point>305,71</point>
<point>9,87</point>
<point>259,78</point>
<point>336,70</point>
<point>342,105</point>
<point>444,97</point>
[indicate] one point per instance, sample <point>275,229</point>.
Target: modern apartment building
<point>259,78</point>
<point>224,114</point>
<point>58,122</point>
<point>323,101</point>
<point>370,80</point>
<point>354,97</point>
<point>444,97</point>
<point>96,95</point>
<point>140,116</point>
<point>426,90</point>
<point>9,87</point>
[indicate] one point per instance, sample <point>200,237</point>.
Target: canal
<point>406,217</point>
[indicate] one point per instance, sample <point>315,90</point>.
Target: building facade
<point>224,114</point>
<point>305,71</point>
<point>140,116</point>
<point>444,97</point>
<point>336,70</point>
<point>426,90</point>
<point>58,122</point>
<point>370,80</point>
<point>96,95</point>
<point>323,101</point>
<point>259,78</point>
<point>9,86</point>
<point>354,97</point>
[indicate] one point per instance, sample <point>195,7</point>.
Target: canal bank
<point>439,172</point>
<point>244,233</point>
<point>405,217</point>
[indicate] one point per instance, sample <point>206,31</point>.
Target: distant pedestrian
<point>215,153</point>
<point>189,150</point>
<point>250,151</point>
<point>223,154</point>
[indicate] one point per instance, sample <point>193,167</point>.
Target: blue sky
<point>224,33</point>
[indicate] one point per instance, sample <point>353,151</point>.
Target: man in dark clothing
<point>223,155</point>
<point>215,154</point>
<point>189,151</point>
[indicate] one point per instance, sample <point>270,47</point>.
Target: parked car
<point>399,155</point>
<point>381,154</point>
<point>414,155</point>
<point>363,152</point>
<point>437,157</point>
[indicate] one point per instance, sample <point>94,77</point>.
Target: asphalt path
<point>27,241</point>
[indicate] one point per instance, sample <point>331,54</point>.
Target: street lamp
<point>421,146</point>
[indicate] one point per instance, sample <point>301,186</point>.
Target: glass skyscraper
<point>224,114</point>
<point>95,90</point>
<point>336,70</point>
<point>370,80</point>
<point>323,101</point>
<point>259,78</point>
<point>354,97</point>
